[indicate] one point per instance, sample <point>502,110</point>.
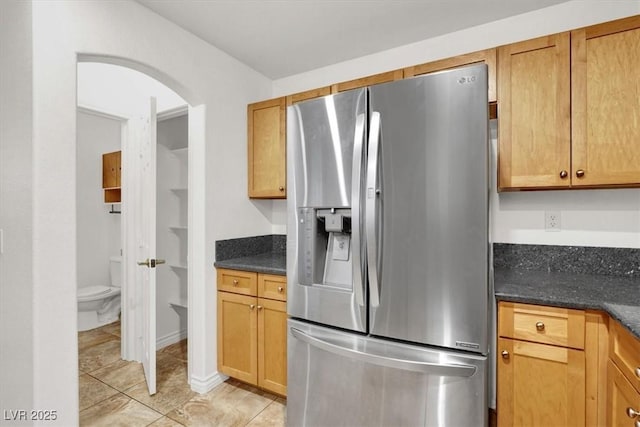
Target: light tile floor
<point>113,392</point>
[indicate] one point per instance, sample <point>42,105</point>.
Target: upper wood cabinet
<point>605,102</point>
<point>309,94</point>
<point>389,76</point>
<point>487,56</point>
<point>267,149</point>
<point>535,129</point>
<point>111,176</point>
<point>569,108</point>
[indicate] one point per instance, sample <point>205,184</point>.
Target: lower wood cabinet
<point>252,331</point>
<point>624,379</point>
<point>551,365</point>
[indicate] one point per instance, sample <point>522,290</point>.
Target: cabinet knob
<point>564,174</point>
<point>540,326</point>
<point>638,372</point>
<point>235,282</point>
<point>505,354</point>
<point>632,413</point>
<point>259,307</point>
<point>637,423</point>
<point>251,306</point>
<point>280,289</point>
<point>281,188</point>
<point>579,173</point>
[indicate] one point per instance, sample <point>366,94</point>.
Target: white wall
<point>16,209</point>
<point>201,74</point>
<point>588,217</point>
<point>98,231</point>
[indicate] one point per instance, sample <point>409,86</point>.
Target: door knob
<point>505,354</point>
<point>579,173</point>
<point>540,326</point>
<point>151,263</point>
<point>632,413</point>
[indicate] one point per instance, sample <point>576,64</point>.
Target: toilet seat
<point>89,293</point>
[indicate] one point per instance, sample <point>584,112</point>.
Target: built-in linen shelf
<point>178,228</point>
<point>180,151</point>
<point>180,190</point>
<point>178,266</point>
<point>179,303</point>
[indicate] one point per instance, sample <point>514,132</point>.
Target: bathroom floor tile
<point>120,375</point>
<point>93,391</point>
<point>229,404</point>
<point>112,328</point>
<point>94,337</point>
<point>98,356</point>
<point>119,410</point>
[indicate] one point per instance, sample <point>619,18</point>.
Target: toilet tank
<point>115,271</point>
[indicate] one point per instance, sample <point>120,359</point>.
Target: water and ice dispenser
<point>325,250</point>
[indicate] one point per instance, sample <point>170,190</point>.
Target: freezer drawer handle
<point>442,369</point>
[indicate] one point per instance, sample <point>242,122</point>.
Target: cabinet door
<point>272,286</point>
<point>605,60</point>
<point>237,336</point>
<point>272,345</point>
<point>487,56</point>
<point>535,128</point>
<point>309,94</point>
<point>267,149</point>
<point>111,169</point>
<point>622,397</point>
<point>540,385</point>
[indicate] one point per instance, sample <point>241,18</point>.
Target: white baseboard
<point>172,338</point>
<point>204,385</point>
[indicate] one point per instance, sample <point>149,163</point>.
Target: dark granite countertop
<point>268,262</point>
<point>619,296</point>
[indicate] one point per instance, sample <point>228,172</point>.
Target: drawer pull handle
<point>280,289</point>
<point>632,413</point>
<point>235,282</point>
<point>505,354</point>
<point>638,372</point>
<point>540,326</point>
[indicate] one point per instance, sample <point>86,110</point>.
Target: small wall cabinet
<point>267,149</point>
<point>111,176</point>
<point>252,328</point>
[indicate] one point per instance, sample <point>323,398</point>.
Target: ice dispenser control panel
<point>324,250</point>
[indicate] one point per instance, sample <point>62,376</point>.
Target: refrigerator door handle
<point>440,369</point>
<point>372,195</point>
<point>356,215</point>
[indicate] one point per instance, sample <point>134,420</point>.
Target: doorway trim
<point>196,204</point>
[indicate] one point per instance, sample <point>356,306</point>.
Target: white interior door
<point>145,127</point>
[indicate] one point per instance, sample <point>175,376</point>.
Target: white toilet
<point>100,305</point>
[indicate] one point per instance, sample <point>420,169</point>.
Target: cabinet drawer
<point>272,286</point>
<point>625,352</point>
<point>546,325</point>
<point>238,282</point>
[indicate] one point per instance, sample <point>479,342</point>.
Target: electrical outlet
<point>552,220</point>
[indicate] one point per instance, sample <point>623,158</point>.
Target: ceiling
<point>279,38</point>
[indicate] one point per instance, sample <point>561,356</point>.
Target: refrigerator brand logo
<point>467,79</point>
<point>467,345</point>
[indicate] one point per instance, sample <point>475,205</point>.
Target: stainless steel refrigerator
<point>388,254</point>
